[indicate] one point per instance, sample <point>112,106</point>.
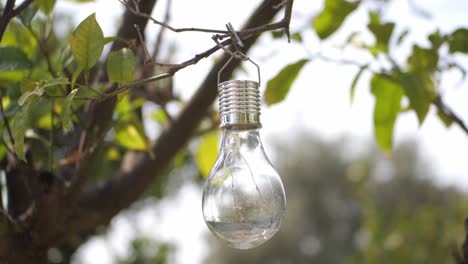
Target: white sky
<point>319,100</point>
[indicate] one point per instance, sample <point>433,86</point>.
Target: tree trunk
<point>22,250</point>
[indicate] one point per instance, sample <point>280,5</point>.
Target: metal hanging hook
<point>242,56</point>
<point>237,42</point>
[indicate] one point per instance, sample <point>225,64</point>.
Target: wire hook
<point>242,56</point>
<point>237,54</point>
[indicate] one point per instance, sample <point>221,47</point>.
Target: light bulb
<point>243,199</point>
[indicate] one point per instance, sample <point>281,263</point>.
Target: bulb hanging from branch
<point>243,198</point>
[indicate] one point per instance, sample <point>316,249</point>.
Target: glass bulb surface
<point>243,199</point>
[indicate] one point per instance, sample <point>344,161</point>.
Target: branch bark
<point>100,203</point>
<point>10,12</point>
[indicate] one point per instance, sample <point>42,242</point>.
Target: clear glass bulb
<point>243,199</point>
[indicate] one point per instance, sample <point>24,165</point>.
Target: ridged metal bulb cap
<point>239,104</point>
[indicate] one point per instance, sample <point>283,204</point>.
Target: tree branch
<point>442,107</point>
<point>6,16</point>
<point>98,114</point>
<point>99,204</point>
<point>10,12</point>
<point>132,6</point>
<point>21,7</point>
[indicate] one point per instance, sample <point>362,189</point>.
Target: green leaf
<point>402,36</point>
<point>297,37</point>
<point>67,109</point>
<point>423,60</point>
<point>159,116</point>
<point>277,34</point>
<point>3,151</point>
<point>419,92</point>
<point>447,121</point>
<point>382,32</point>
<point>277,88</point>
<point>13,59</point>
<point>19,125</point>
<point>27,85</point>
<point>28,14</point>
<point>207,153</point>
<point>87,43</point>
<point>46,6</point>
<point>130,135</point>
<point>458,41</point>
<point>37,91</point>
<point>18,35</point>
<point>355,81</point>
<point>332,16</point>
<point>121,66</point>
<point>388,95</point>
<point>437,39</point>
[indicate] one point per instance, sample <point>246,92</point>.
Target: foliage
<point>121,66</point>
<point>279,86</point>
<point>332,16</point>
<point>207,153</point>
<point>87,43</point>
<point>388,95</point>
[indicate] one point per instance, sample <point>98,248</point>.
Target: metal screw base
<point>239,104</point>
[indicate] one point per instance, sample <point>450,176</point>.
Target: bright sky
<point>318,102</point>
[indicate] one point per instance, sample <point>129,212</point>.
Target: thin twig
<point>142,41</point>
<point>135,10</point>
<point>216,40</point>
<point>287,18</point>
<point>159,38</point>
<point>138,83</point>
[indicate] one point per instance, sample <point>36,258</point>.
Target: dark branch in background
<point>100,203</point>
<point>10,12</point>
<point>442,107</point>
<point>461,257</point>
<point>98,114</point>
